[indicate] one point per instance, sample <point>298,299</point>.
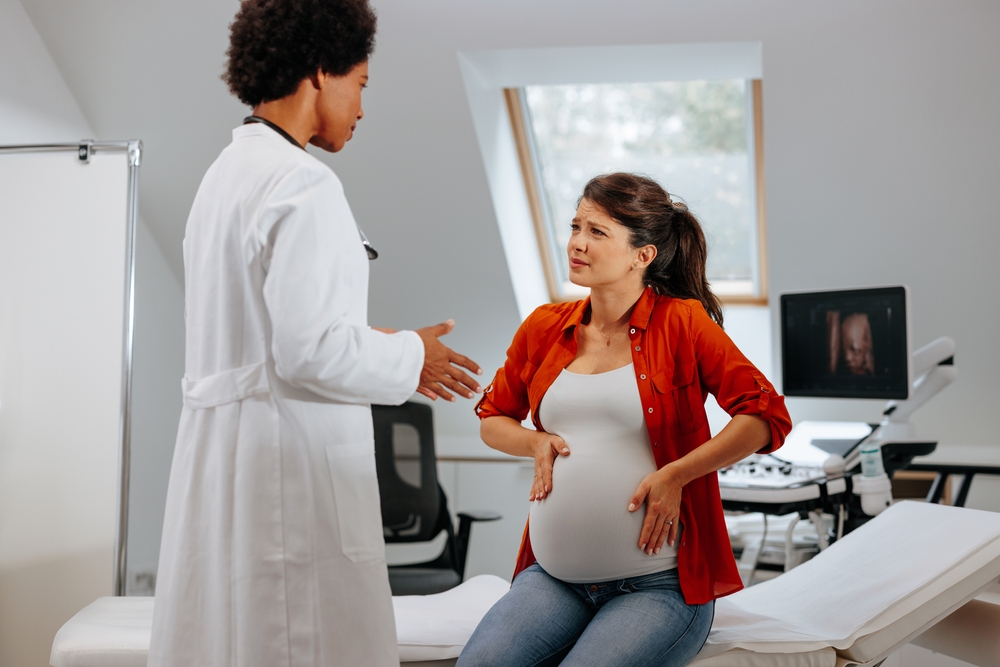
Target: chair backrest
<point>407,472</point>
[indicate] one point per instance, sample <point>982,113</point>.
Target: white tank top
<point>582,531</point>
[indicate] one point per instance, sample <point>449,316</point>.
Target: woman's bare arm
<point>507,435</point>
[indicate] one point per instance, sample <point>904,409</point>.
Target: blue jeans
<point>625,623</point>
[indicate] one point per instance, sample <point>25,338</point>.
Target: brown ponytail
<point>645,208</point>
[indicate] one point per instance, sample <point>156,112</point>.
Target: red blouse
<point>679,355</point>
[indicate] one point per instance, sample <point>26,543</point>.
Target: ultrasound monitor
<point>845,343</point>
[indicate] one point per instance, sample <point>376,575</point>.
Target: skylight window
<point>700,139</point>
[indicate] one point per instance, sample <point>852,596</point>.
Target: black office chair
<point>414,507</point>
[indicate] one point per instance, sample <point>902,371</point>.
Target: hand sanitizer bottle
<point>871,461</point>
<point>872,484</point>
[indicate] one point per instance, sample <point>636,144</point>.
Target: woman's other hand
<point>661,490</point>
<point>547,449</point>
<point>662,495</point>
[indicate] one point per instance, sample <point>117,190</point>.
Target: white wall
<point>881,160</point>
<point>150,70</point>
<point>54,571</point>
<point>36,106</point>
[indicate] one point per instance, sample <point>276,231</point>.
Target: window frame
<point>524,144</point>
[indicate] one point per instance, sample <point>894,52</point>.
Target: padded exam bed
<point>914,568</point>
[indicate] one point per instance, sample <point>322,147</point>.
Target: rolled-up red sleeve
<point>737,385</point>
<point>507,394</point>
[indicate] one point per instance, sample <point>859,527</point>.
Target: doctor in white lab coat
<point>272,552</point>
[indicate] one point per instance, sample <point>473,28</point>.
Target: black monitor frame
<point>802,370</point>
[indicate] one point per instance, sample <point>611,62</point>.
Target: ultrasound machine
<point>835,344</point>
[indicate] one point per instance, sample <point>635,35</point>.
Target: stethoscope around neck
<point>369,248</point>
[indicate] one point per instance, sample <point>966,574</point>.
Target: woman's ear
<point>645,256</point>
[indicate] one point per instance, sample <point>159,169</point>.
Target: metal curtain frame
<point>133,150</point>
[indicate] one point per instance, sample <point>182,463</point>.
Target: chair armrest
<point>465,520</point>
<point>478,515</point>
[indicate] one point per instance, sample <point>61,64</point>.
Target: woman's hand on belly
<point>662,495</point>
<point>547,448</point>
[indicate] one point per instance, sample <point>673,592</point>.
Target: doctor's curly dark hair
<point>275,44</point>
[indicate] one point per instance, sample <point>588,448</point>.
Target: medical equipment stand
<point>771,485</point>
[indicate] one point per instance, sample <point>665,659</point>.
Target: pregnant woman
<point>626,547</point>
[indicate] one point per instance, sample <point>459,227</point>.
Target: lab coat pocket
<point>355,491</point>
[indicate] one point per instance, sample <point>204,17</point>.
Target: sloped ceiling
<point>149,70</point>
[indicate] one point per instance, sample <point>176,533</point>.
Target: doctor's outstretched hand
<point>443,366</point>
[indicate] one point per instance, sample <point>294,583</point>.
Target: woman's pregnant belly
<point>582,531</point>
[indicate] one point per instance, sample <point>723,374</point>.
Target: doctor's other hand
<point>443,366</point>
<point>547,449</point>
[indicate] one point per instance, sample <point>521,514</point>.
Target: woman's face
<point>599,250</point>
<point>339,107</point>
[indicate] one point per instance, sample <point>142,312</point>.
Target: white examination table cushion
<point>868,593</point>
<point>854,603</point>
<point>115,631</point>
<point>436,627</point>
<point>109,632</point>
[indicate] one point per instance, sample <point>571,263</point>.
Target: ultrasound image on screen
<point>851,340</point>
<point>845,344</point>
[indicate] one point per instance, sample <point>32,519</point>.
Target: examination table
<point>909,574</point>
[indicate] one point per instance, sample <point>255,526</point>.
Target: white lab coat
<point>272,550</point>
